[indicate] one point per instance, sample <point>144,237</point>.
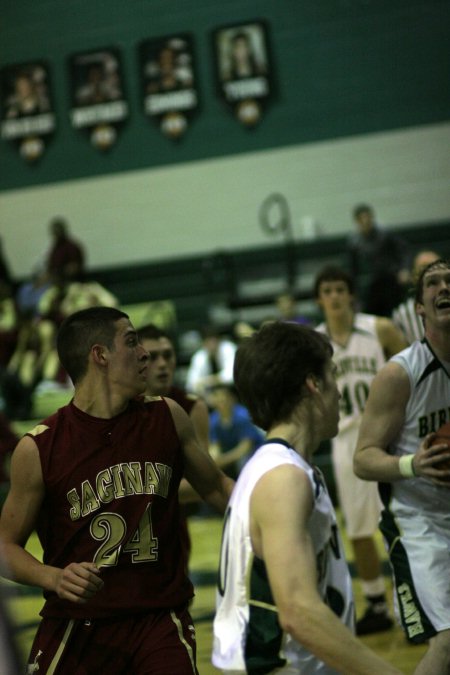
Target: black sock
<point>377,603</point>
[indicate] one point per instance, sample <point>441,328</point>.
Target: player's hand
<point>432,461</point>
<point>78,582</point>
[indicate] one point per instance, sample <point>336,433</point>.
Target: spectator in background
<point>404,315</point>
<point>212,364</point>
<point>286,307</point>
<point>36,331</point>
<point>30,293</point>
<point>60,301</point>
<point>65,259</point>
<point>83,294</point>
<point>233,436</point>
<point>379,263</point>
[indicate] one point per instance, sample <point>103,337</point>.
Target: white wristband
<point>406,467</point>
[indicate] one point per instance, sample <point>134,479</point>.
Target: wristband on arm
<point>406,466</point>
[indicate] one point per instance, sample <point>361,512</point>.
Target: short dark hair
<point>333,273</point>
<point>441,262</point>
<point>271,367</point>
<point>80,331</point>
<point>152,332</point>
<point>361,208</point>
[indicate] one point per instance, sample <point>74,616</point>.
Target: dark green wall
<point>343,67</point>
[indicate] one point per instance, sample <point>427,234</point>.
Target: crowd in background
<point>32,310</point>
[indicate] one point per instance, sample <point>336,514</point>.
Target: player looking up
<point>408,402</point>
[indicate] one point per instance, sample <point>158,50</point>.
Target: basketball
<point>443,436</point>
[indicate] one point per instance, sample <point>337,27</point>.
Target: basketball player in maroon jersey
<point>160,379</point>
<point>99,481</point>
<point>161,367</point>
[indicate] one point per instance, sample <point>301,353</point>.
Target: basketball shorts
<point>419,552</point>
<point>359,499</point>
<point>155,643</point>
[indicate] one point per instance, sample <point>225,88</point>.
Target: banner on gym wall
<point>243,69</point>
<point>27,117</point>
<point>98,102</point>
<point>169,87</point>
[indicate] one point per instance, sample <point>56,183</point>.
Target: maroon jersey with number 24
<point>111,497</point>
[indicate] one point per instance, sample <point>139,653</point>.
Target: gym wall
<point>360,113</point>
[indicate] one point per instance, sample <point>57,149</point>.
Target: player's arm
<point>78,581</point>
<point>381,423</point>
<point>391,338</point>
<point>280,508</point>
<point>201,471</point>
<point>200,419</point>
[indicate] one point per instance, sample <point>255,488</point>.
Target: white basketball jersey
<point>427,409</point>
<point>247,634</point>
<point>357,364</point>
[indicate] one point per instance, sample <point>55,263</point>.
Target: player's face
<point>127,360</point>
<point>331,397</point>
<point>161,365</point>
<point>334,297</point>
<point>435,305</point>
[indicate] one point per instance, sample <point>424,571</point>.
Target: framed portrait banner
<point>27,114</point>
<point>98,102</point>
<point>169,87</point>
<point>243,69</point>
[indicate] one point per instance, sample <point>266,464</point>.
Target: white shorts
<point>419,552</point>
<point>358,499</point>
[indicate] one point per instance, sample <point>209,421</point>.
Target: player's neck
<point>95,401</point>
<point>440,343</point>
<point>340,325</point>
<point>300,438</point>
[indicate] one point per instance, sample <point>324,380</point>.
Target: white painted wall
<point>204,206</point>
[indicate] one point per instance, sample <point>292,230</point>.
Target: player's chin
<point>141,386</point>
<point>335,430</point>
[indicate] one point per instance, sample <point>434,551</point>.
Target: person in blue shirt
<point>233,436</point>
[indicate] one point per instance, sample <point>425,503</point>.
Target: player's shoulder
<point>51,422</point>
<point>365,322</point>
<point>147,399</point>
<point>180,394</point>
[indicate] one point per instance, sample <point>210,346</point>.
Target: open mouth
<point>443,303</point>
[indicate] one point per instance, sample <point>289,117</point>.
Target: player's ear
<point>313,384</point>
<point>419,309</point>
<point>99,354</point>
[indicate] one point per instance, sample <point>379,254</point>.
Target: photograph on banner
<point>243,69</point>
<point>98,100</point>
<point>27,115</point>
<point>169,87</point>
